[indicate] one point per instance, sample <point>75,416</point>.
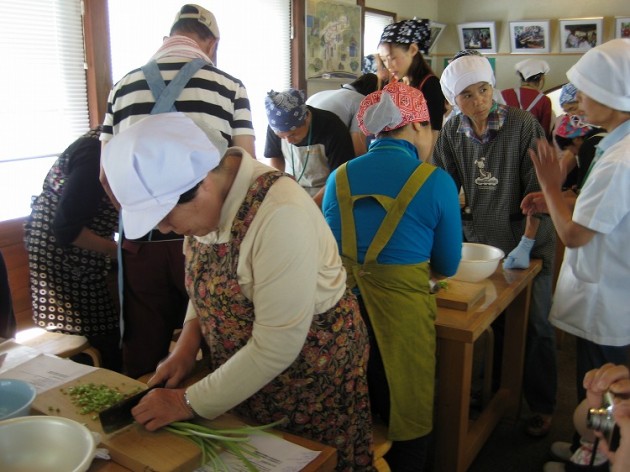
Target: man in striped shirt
<point>154,296</point>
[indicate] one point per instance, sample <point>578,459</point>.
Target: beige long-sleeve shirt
<point>289,267</point>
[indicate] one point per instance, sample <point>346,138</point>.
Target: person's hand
<point>172,370</point>
<point>621,457</point>
<point>616,379</point>
<point>533,203</point>
<point>547,165</point>
<point>518,258</point>
<point>161,407</point>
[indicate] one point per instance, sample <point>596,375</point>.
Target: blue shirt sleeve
<point>447,244</point>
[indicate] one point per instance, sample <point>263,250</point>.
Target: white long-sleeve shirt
<point>289,267</point>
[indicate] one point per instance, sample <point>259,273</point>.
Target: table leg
<point>516,315</point>
<point>453,403</point>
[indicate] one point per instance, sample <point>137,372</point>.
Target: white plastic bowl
<point>16,397</point>
<point>479,261</point>
<point>45,444</point>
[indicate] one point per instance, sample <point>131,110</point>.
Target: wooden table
<point>324,462</point>
<point>458,440</point>
<point>135,436</point>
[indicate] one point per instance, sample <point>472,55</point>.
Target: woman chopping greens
<point>391,213</point>
<point>267,289</point>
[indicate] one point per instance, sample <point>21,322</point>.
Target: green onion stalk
<point>212,441</point>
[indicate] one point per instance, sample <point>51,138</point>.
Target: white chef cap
<point>603,73</point>
<point>463,72</point>
<point>531,67</point>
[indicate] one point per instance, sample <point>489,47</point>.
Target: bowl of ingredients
<point>45,444</point>
<point>479,261</point>
<point>16,397</point>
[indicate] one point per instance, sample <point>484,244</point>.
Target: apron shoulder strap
<point>517,92</point>
<point>165,96</point>
<point>396,212</point>
<point>426,77</point>
<point>535,101</point>
<point>348,230</point>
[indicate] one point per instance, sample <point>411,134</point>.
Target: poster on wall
<point>333,40</point>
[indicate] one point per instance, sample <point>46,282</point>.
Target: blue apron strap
<point>120,276</point>
<point>166,95</point>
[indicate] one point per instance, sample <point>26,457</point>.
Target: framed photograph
<point>622,27</point>
<point>436,31</point>
<point>580,34</point>
<point>480,36</point>
<point>529,37</point>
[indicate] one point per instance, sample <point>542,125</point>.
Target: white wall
<point>453,12</point>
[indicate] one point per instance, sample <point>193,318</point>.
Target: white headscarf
<point>463,72</point>
<point>603,73</point>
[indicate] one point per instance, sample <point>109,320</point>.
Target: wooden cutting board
<point>132,447</point>
<point>460,295</point>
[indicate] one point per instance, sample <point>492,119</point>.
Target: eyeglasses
<point>576,122</point>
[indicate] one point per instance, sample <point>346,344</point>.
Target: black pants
<point>7,316</point>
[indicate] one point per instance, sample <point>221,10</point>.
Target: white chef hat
<point>603,73</point>
<point>531,67</point>
<point>152,163</point>
<point>463,72</point>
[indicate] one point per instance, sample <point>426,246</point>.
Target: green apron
<point>400,308</point>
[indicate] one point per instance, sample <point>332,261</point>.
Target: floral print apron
<point>324,393</point>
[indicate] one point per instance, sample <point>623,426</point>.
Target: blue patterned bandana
<point>568,94</point>
<point>408,32</point>
<point>286,110</point>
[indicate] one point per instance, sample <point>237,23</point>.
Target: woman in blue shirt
<point>397,222</point>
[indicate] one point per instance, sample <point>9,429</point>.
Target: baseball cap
<point>152,163</point>
<point>202,15</point>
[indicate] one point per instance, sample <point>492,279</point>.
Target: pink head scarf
<point>392,108</point>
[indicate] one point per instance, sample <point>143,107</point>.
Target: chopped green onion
<point>92,398</point>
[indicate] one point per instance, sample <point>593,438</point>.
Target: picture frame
<point>580,34</point>
<point>622,27</point>
<point>436,31</point>
<point>529,37</point>
<point>333,40</point>
<point>480,35</point>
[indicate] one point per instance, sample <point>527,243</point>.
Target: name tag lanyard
<point>308,151</point>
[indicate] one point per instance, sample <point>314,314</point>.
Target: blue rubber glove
<point>518,258</point>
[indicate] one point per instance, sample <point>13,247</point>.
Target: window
<point>375,22</point>
<point>254,47</point>
<point>42,92</point>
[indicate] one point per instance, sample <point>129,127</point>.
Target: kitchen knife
<point>119,415</point>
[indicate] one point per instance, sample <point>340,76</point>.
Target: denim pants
<point>540,379</point>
